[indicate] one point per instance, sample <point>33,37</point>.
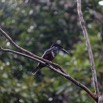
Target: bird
<point>49,54</point>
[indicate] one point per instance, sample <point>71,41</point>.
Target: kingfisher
<point>49,54</point>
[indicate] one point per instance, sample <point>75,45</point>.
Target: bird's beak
<point>67,52</point>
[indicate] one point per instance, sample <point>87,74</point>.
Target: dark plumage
<point>49,54</point>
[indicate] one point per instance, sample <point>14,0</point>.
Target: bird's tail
<point>35,70</point>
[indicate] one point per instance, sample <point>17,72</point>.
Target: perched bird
<point>49,54</point>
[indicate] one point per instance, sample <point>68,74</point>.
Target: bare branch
<point>88,45</point>
<point>22,54</point>
<point>26,51</point>
<point>83,87</point>
<point>53,66</point>
<point>58,70</point>
<point>15,45</point>
<point>33,58</point>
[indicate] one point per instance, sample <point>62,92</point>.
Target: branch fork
<point>51,65</point>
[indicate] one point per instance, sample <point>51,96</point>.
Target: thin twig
<point>67,76</point>
<point>88,45</point>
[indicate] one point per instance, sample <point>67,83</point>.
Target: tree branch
<point>88,45</point>
<point>33,58</point>
<point>22,54</point>
<point>58,70</point>
<point>53,66</point>
<point>77,83</point>
<point>26,51</point>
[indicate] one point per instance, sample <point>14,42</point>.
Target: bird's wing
<point>48,54</point>
<point>48,51</point>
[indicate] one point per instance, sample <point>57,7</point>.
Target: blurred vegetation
<point>35,25</point>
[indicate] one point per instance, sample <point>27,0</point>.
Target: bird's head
<point>59,47</point>
<point>56,45</point>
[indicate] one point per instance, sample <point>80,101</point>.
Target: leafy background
<point>35,25</point>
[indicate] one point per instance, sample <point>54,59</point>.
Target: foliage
<point>34,25</point>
